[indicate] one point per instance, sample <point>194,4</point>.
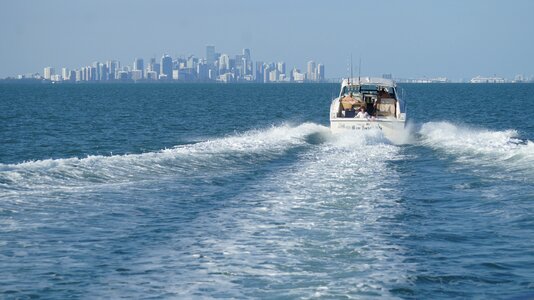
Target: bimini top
<point>368,81</point>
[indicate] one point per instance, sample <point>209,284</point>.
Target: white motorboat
<point>368,103</point>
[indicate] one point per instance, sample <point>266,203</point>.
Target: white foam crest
<point>479,146</point>
<point>217,154</point>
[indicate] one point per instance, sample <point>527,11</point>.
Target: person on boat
<point>348,103</point>
<point>362,113</point>
<point>370,103</point>
<point>383,93</point>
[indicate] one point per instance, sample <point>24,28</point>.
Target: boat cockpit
<point>367,100</point>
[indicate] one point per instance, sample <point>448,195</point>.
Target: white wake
<point>482,147</point>
<point>215,156</point>
<point>315,228</point>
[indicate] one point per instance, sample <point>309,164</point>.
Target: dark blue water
<point>240,191</point>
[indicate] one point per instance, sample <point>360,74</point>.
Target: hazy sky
<point>457,39</point>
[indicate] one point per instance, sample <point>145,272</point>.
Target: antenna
<point>359,70</point>
<point>350,67</point>
<point>359,73</point>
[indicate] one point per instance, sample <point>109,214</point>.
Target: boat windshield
<point>354,89</point>
<point>367,89</point>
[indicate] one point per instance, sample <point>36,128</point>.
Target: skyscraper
<point>95,71</point>
<point>320,72</point>
<point>203,71</point>
<point>79,75</point>
<point>139,66</point>
<point>103,73</point>
<point>239,62</point>
<point>65,74</point>
<point>224,63</point>
<point>310,74</point>
<point>85,74</point>
<point>72,75</point>
<point>92,73</point>
<point>246,53</point>
<point>247,62</point>
<point>166,66</point>
<point>48,72</point>
<point>266,70</point>
<point>112,67</point>
<point>259,71</point>
<point>192,62</point>
<point>281,66</point>
<point>274,75</point>
<point>153,66</point>
<point>210,55</point>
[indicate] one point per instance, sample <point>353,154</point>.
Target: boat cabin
<point>373,97</point>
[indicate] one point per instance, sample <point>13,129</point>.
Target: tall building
<point>176,74</point>
<point>153,66</point>
<point>102,72</point>
<point>259,71</point>
<point>166,67</point>
<point>247,62</point>
<point>246,53</point>
<point>48,72</point>
<point>72,75</point>
<point>65,74</point>
<point>92,73</point>
<point>239,65</point>
<point>296,76</point>
<point>310,74</point>
<point>96,71</point>
<point>224,63</point>
<point>157,68</point>
<point>192,62</point>
<point>203,70</point>
<point>84,74</point>
<point>210,55</point>
<point>79,75</point>
<point>112,67</point>
<point>320,73</point>
<point>139,66</point>
<point>274,75</point>
<point>281,66</point>
<point>266,72</point>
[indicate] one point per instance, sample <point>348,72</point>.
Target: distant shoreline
<point>130,82</point>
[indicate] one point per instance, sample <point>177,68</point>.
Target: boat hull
<point>390,128</point>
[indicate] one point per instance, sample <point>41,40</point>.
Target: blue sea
<point>181,191</point>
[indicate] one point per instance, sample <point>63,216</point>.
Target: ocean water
<point>240,191</point>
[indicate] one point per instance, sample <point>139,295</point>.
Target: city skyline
<point>213,67</point>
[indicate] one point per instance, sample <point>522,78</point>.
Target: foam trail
<point>480,146</point>
<point>218,155</point>
<point>315,228</point>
